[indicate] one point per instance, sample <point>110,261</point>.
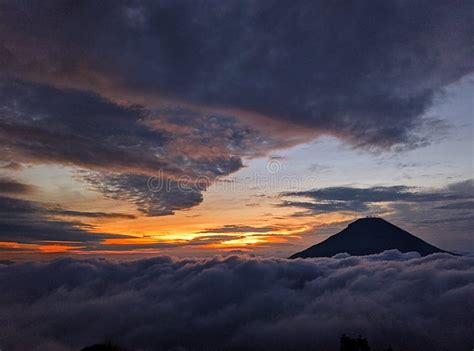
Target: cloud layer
<point>239,303</point>
<point>335,199</point>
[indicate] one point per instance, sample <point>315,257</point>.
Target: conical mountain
<point>368,236</point>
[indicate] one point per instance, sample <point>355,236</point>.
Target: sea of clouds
<point>239,303</point>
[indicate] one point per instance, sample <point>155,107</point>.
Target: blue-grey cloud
<point>335,199</point>
<point>468,205</point>
<point>239,303</point>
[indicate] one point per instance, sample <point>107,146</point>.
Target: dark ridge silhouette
<point>347,344</point>
<point>357,344</point>
<point>6,262</point>
<point>103,347</point>
<point>367,236</point>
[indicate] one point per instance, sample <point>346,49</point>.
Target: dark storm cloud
<point>46,124</point>
<point>363,70</point>
<point>240,303</point>
<point>334,199</point>
<point>43,124</point>
<point>25,221</point>
<point>14,187</point>
<point>87,214</point>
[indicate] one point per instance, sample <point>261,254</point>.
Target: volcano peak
<point>367,236</point>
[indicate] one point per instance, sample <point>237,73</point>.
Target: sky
<point>211,127</point>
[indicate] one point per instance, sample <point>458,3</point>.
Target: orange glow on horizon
<point>58,248</point>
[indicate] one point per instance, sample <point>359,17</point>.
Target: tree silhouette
<point>354,344</point>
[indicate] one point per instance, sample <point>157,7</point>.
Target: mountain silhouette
<point>368,236</point>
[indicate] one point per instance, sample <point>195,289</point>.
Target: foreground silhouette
<point>347,344</point>
<point>367,236</point>
<point>108,346</point>
<point>356,344</point>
